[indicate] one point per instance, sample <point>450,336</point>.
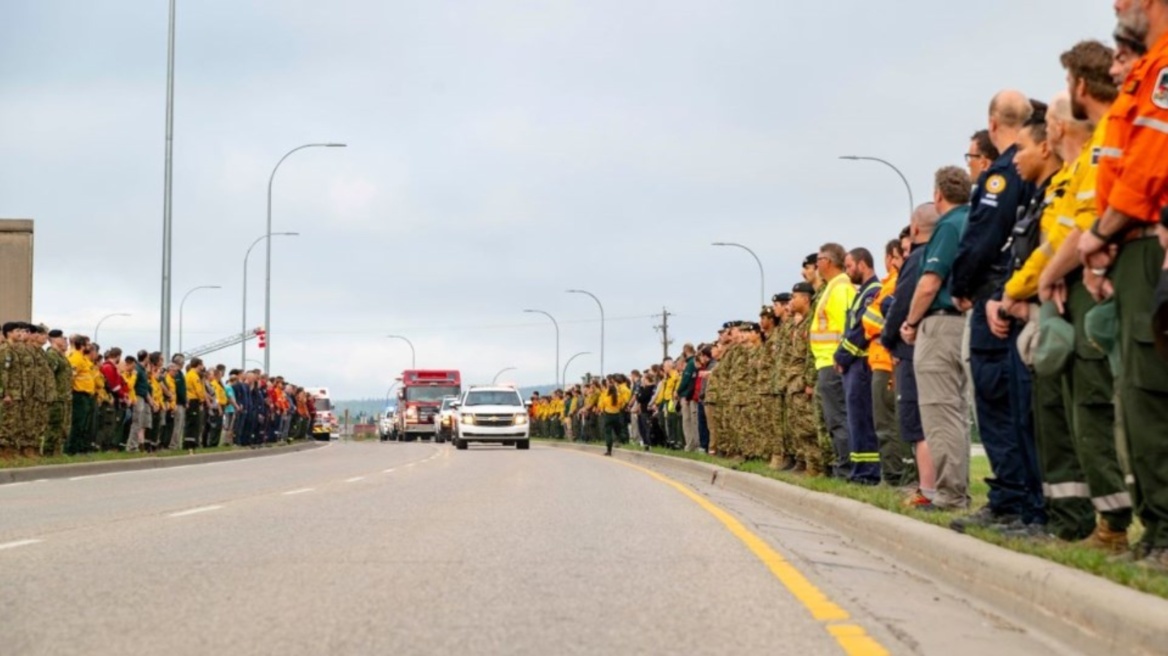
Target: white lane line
<point>300,491</point>
<point>194,511</point>
<point>18,543</point>
<point>387,471</point>
<point>354,479</point>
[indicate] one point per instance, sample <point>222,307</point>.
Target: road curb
<point>24,474</point>
<point>1078,608</point>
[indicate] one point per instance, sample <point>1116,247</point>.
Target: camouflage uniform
<point>28,422</point>
<point>712,394</point>
<point>730,401</point>
<point>61,411</point>
<point>742,398</point>
<point>44,396</point>
<point>781,341</point>
<point>767,412</point>
<point>803,425</point>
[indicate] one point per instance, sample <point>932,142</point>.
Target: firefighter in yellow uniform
<point>828,321</point>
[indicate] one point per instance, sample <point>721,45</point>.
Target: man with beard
<point>851,360</point>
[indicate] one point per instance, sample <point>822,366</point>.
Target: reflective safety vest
<point>878,357</point>
<point>831,316</point>
<point>854,346</point>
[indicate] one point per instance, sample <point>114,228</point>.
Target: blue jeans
<point>703,428</point>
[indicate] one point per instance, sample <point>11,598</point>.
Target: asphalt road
<point>371,548</point>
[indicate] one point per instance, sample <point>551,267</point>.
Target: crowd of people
<point>1027,302</point>
<point>63,394</point>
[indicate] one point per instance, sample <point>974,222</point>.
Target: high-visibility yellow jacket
<point>156,390</point>
<point>878,357</point>
<point>624,395</point>
<point>195,389</point>
<point>606,405</point>
<point>170,405</point>
<point>220,393</point>
<point>82,372</point>
<point>667,390</point>
<point>830,318</point>
<point>1076,209</point>
<point>130,379</point>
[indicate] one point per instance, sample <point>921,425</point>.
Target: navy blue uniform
<point>1000,380</point>
<point>895,314</point>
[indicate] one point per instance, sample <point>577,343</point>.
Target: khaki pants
<point>689,424</point>
<point>942,385</point>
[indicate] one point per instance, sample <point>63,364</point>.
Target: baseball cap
<point>1102,328</point>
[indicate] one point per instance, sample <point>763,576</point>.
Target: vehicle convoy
<point>492,415</point>
<point>445,430</point>
<point>419,400</point>
<point>324,424</point>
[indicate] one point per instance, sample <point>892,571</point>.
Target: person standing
<point>1122,244</point>
<point>828,323</point>
<point>895,456</point>
<point>936,327</point>
<point>799,379</point>
<point>924,220</point>
<point>80,435</point>
<point>688,408</point>
<point>44,388</point>
<point>59,415</point>
<point>609,406</point>
<point>14,388</point>
<point>1002,383</point>
<point>851,360</point>
<point>180,401</point>
<point>196,418</point>
<point>111,401</point>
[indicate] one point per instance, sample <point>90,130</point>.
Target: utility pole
<point>663,328</point>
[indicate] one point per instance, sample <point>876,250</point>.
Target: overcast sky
<point>500,152</point>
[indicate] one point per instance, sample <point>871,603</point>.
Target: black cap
<point>803,288</point>
<point>811,260</point>
<point>9,327</point>
<point>54,333</point>
<point>750,327</point>
<point>1124,36</point>
<point>781,298</point>
<point>767,311</point>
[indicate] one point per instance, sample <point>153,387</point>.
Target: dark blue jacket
<point>899,303</point>
<point>983,261</point>
<point>854,346</point>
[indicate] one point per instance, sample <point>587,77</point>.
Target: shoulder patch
<point>1160,91</point>
<point>996,183</point>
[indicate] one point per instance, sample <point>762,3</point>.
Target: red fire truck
<point>419,399</point>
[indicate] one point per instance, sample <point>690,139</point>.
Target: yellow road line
<point>851,637</point>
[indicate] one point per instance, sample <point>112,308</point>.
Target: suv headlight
<point>520,419</point>
<point>468,420</point>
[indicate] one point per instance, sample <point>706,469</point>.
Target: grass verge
<point>890,499</point>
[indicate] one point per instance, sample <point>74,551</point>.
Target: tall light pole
<point>598,304</point>
<point>555,323</point>
<point>495,380</point>
<point>911,205</point>
<point>569,363</point>
<point>268,266</point>
<point>243,329</point>
<point>761,273</point>
<point>261,364</point>
<point>97,329</point>
<point>413,353</point>
<point>164,332</point>
<point>180,313</point>
<point>390,391</point>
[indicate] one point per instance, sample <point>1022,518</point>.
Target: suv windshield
<point>430,394</point>
<point>493,398</point>
<point>448,404</point>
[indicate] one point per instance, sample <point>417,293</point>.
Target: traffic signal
<point>261,337</point>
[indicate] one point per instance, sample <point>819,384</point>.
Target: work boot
<point>1105,539</point>
<point>984,517</point>
<point>1035,531</point>
<point>917,500</point>
<point>1156,560</point>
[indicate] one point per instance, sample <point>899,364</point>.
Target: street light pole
<point>495,380</point>
<point>911,205</point>
<point>413,353</point>
<point>557,325</point>
<point>180,312</point>
<point>598,304</point>
<point>268,266</point>
<point>243,329</point>
<point>97,329</point>
<point>569,363</point>
<point>167,177</point>
<point>761,273</point>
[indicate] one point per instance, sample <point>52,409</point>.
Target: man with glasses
<point>980,155</point>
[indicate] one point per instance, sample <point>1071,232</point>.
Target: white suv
<point>492,414</point>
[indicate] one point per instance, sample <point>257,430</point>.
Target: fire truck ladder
<point>223,343</point>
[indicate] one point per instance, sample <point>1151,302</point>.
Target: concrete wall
<point>15,270</point>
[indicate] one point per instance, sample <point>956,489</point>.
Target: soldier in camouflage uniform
<point>714,387</point>
<point>784,456</point>
<point>44,388</point>
<point>754,410</point>
<point>799,377</point>
<point>60,413</point>
<point>17,393</point>
<point>770,438</point>
<point>729,367</point>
